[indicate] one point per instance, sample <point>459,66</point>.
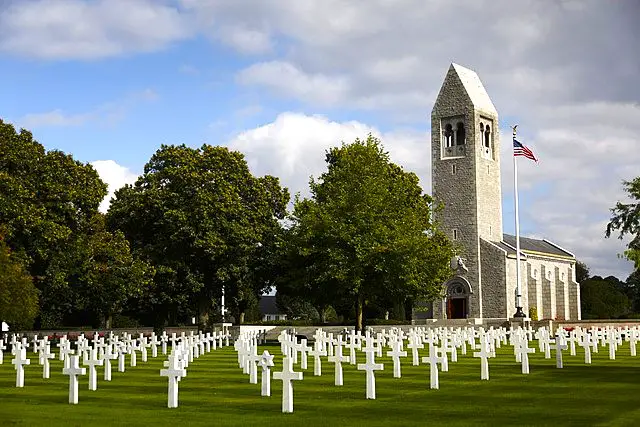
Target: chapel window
<point>448,136</point>
<point>460,135</point>
<point>453,169</point>
<point>455,234</point>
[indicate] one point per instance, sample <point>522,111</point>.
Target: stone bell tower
<point>465,148</point>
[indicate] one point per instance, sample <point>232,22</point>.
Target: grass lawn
<point>215,392</point>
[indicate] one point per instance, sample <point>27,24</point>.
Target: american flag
<point>521,150</point>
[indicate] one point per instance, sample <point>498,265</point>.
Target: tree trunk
<point>241,316</point>
<point>359,312</point>
<point>108,321</point>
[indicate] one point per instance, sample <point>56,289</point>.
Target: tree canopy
<point>206,224</point>
<point>626,220</point>
<point>366,233</point>
<point>49,210</point>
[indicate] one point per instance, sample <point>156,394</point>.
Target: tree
<point>45,198</point>
<point>602,298</point>
<point>632,287</point>
<point>49,208</point>
<point>626,219</point>
<point>18,295</point>
<point>100,275</point>
<point>582,271</point>
<point>367,231</point>
<point>204,222</point>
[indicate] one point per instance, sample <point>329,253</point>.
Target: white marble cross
<point>586,344</point>
<point>414,345</point>
<point>559,346</point>
<point>73,370</point>
<point>633,340</point>
<point>370,367</point>
<point>19,361</point>
<point>304,349</point>
<point>317,351</point>
<point>612,342</point>
<point>143,347</point>
<point>353,345</point>
<point>266,362</point>
<point>108,356</point>
<point>396,353</point>
<point>287,376</point>
<point>433,359</point>
<point>121,351</point>
<point>174,372</point>
<point>337,359</point>
<point>45,355</point>
<point>484,355</point>
<point>133,346</point>
<point>92,361</point>
<point>252,358</point>
<point>2,349</point>
<point>523,350</point>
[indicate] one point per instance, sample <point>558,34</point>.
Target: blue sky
<point>281,81</point>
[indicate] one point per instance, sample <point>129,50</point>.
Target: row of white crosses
<point>443,345</point>
<point>184,350</point>
<point>100,351</point>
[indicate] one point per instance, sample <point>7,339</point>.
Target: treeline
<point>196,225</point>
<point>608,297</point>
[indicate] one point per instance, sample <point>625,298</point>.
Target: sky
<point>109,81</point>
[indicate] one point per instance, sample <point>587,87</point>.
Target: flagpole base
<point>519,312</point>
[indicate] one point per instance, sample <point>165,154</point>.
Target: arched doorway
<point>458,291</point>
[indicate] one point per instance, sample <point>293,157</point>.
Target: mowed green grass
<point>215,392</point>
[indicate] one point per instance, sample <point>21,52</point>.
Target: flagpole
<point>519,312</point>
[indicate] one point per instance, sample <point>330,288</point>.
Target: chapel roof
<point>533,246</point>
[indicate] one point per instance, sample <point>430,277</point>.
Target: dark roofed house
<point>269,309</point>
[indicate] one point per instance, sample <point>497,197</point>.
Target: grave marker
<point>73,370</point>
<point>19,361</point>
<point>266,362</point>
<point>287,376</point>
<point>370,367</point>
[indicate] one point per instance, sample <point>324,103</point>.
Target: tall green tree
<point>205,223</point>
<point>18,295</point>
<point>368,231</point>
<point>49,209</point>
<point>626,220</point>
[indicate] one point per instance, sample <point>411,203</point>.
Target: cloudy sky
<point>282,80</point>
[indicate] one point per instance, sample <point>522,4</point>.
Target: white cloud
<point>293,147</point>
<point>115,176</point>
<point>69,29</point>
<point>246,40</point>
<point>287,79</point>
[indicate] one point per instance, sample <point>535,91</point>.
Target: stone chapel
<point>465,147</point>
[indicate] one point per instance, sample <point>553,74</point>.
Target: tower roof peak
<point>474,87</point>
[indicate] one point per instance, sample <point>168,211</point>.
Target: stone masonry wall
<point>494,270</point>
